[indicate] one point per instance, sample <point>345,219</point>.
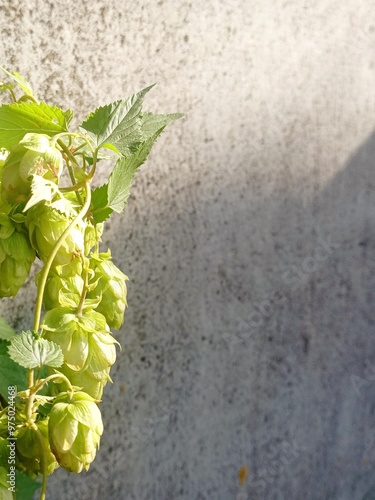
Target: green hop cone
<point>111,287</point>
<point>87,345</point>
<point>46,225</point>
<point>30,452</point>
<point>75,426</point>
<point>95,374</point>
<point>16,257</point>
<point>13,188</point>
<point>64,285</point>
<point>91,384</point>
<point>71,332</point>
<point>33,155</point>
<point>41,158</point>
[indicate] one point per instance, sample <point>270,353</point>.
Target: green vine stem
<point>54,376</point>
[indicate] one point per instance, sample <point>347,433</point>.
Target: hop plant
<point>65,359</point>
<point>75,426</point>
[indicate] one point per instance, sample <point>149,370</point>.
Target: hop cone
<point>87,345</point>
<point>75,426</point>
<point>46,225</point>
<point>16,257</point>
<point>95,374</point>
<point>64,286</point>
<point>33,155</point>
<point>111,286</point>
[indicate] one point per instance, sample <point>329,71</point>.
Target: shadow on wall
<point>251,324</point>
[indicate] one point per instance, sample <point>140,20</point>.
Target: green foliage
<point>117,126</point>
<point>119,182</point>
<point>100,210</point>
<point>31,352</point>
<point>11,373</point>
<point>19,119</point>
<point>152,124</point>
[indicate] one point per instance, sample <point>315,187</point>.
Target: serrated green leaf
<point>119,182</point>
<point>21,82</point>
<point>18,119</point>
<point>11,373</point>
<point>99,204</point>
<point>117,126</point>
<point>31,352</point>
<point>42,190</point>
<point>6,331</point>
<point>152,123</point>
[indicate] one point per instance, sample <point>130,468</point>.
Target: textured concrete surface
<point>249,241</point>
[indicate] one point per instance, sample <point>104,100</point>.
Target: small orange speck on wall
<point>242,475</point>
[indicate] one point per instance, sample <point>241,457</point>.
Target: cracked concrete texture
<point>249,241</point>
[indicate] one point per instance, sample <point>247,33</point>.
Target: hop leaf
<point>31,352</point>
<point>117,126</point>
<point>18,119</point>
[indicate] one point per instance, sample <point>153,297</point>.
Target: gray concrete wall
<point>249,241</point>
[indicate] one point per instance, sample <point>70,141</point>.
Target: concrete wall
<point>249,241</point>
